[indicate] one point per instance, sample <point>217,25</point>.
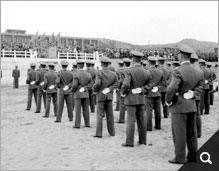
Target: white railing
<point>84,56</point>
<point>61,55</point>
<point>18,54</point>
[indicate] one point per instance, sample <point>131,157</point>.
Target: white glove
<point>65,88</point>
<point>106,90</point>
<point>168,104</point>
<point>51,87</point>
<point>42,83</point>
<point>82,89</point>
<point>136,91</point>
<point>206,81</point>
<point>188,95</point>
<point>32,82</point>
<point>155,89</point>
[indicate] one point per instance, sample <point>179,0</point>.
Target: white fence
<point>61,55</point>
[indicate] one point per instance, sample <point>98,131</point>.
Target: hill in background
<point>202,46</point>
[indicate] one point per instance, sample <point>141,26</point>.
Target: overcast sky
<point>136,22</point>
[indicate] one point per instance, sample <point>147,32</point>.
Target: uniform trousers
<point>135,112</point>
<point>91,101</point>
<point>122,111</point>
<point>40,94</point>
<point>153,103</point>
<point>117,101</point>
<point>211,94</point>
<point>68,99</point>
<point>105,108</point>
<point>50,96</point>
<point>29,98</point>
<point>198,119</point>
<point>73,101</point>
<point>16,83</point>
<point>165,107</point>
<point>84,104</point>
<point>205,100</point>
<point>184,132</point>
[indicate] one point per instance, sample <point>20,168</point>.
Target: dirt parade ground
<point>31,142</point>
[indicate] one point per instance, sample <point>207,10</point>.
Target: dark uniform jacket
<point>121,76</point>
<point>81,79</point>
<point>16,73</point>
<point>40,77</point>
<point>31,76</point>
<point>167,77</point>
<point>93,75</point>
<point>50,79</point>
<point>105,79</point>
<point>159,81</point>
<point>185,77</point>
<point>198,94</point>
<point>64,78</point>
<point>207,77</point>
<point>212,75</point>
<point>136,77</point>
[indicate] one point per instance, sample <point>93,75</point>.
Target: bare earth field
<point>30,142</point>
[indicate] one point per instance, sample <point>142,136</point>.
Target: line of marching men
<point>141,87</point>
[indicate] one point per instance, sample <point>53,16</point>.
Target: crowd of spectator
<point>117,53</point>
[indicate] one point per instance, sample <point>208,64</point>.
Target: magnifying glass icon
<point>208,158</point>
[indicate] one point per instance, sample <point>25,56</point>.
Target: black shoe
<point>141,143</point>
<point>126,145</point>
<point>70,120</point>
<point>149,129</point>
<point>120,122</point>
<point>176,162</point>
<point>206,113</point>
<point>95,136</point>
<point>45,116</point>
<point>165,116</point>
<point>57,121</point>
<point>88,126</point>
<point>157,128</point>
<point>37,112</point>
<point>27,109</point>
<point>76,127</point>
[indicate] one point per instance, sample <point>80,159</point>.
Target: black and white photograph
<point>109,85</point>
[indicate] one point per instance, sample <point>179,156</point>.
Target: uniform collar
<point>137,64</point>
<point>185,62</point>
<point>152,66</point>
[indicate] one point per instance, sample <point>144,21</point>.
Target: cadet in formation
<point>93,76</point>
<point>193,61</point>
<point>40,82</point>
<point>51,90</point>
<point>119,72</point>
<point>74,69</point>
<point>163,89</point>
<point>153,97</point>
<point>81,84</point>
<point>105,83</point>
<point>64,82</point>
<point>127,63</point>
<point>211,83</point>
<point>16,76</point>
<point>32,88</point>
<point>186,82</point>
<point>205,98</point>
<point>136,84</point>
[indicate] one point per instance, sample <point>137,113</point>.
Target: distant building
<point>216,50</point>
<point>16,37</point>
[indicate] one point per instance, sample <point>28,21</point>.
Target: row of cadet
<point>141,88</point>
